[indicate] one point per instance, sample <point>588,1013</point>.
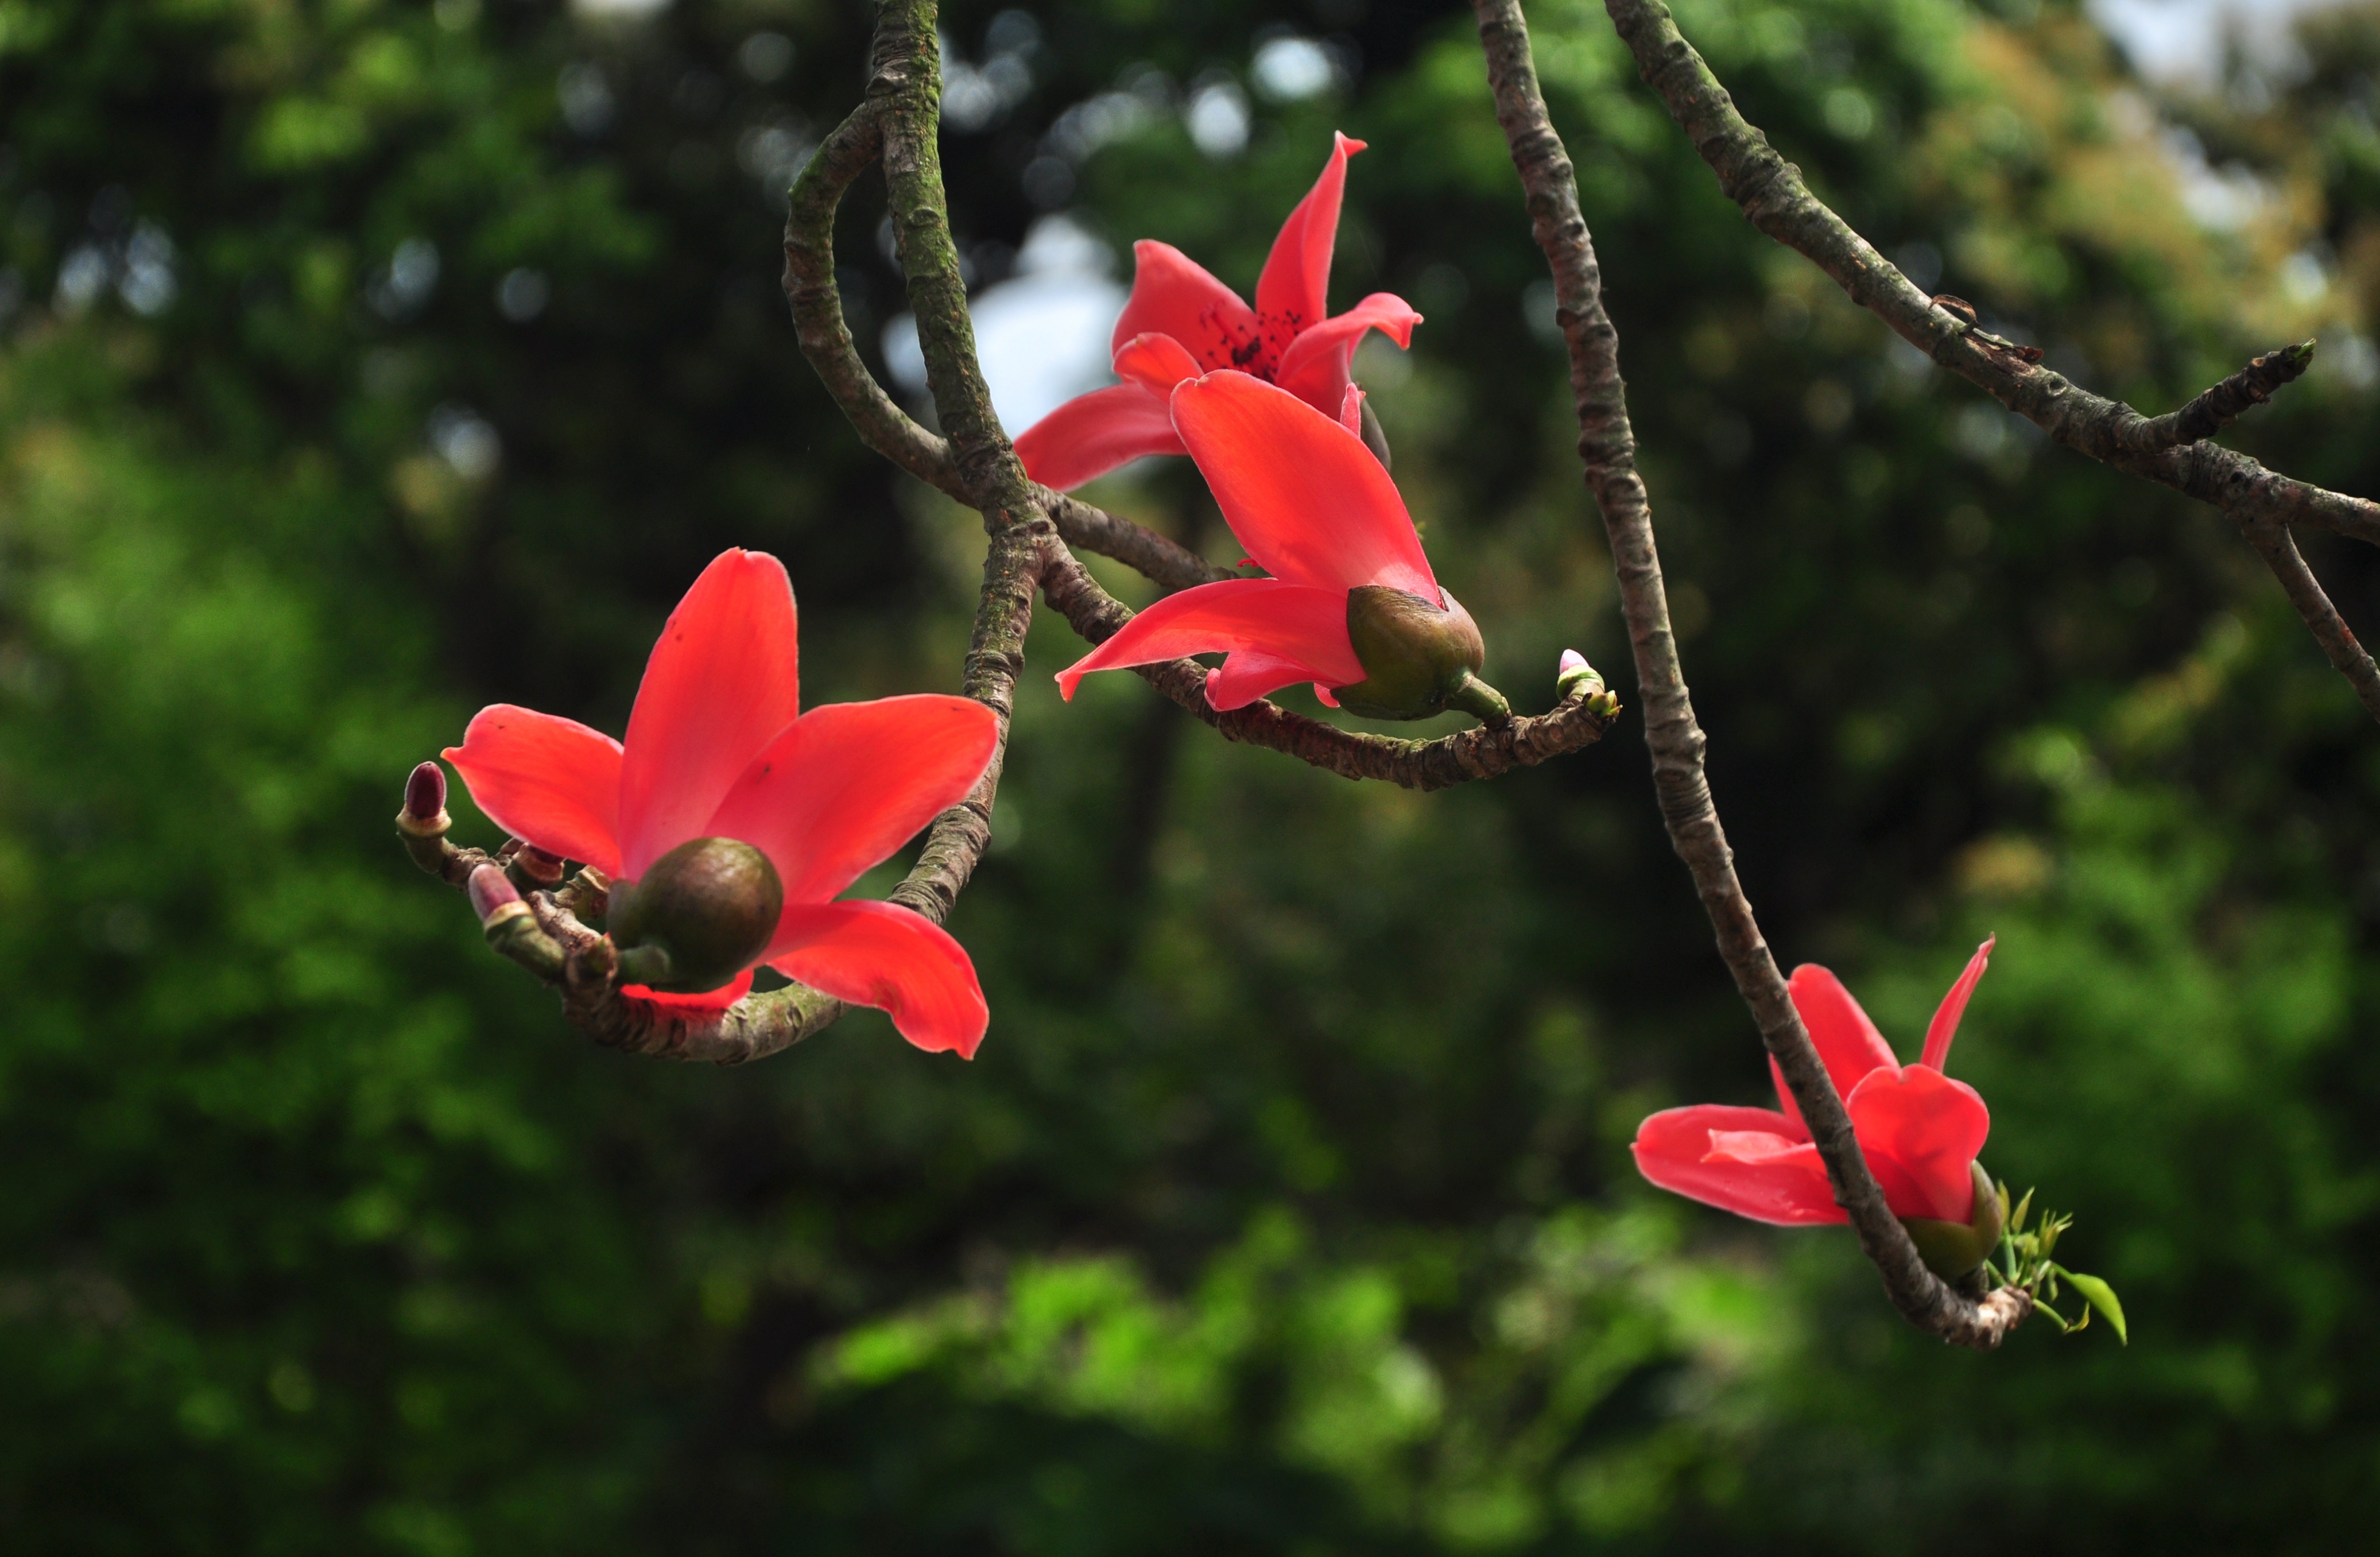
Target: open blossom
<point>1351,605</point>
<point>1285,339</point>
<point>729,819</point>
<point>1919,1130</point>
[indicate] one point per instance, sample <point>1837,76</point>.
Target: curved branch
<point>563,952</point>
<point>1606,447</point>
<point>1579,719</point>
<point>898,124</point>
<point>816,300</point>
<point>2167,450</point>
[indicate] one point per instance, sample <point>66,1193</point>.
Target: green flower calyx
<point>1955,1250</point>
<point>1419,659</point>
<point>701,915</point>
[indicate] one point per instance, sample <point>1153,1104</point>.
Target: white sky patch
<point>1042,335</point>
<point>618,10</point>
<point>2181,42</point>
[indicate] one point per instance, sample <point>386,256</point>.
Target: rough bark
<point>1606,448</point>
<point>2170,450</point>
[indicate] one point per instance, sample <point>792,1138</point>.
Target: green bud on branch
<point>1954,1250</point>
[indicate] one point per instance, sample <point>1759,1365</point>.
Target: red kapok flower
<point>1351,605</point>
<point>726,797</point>
<point>1285,339</point>
<point>1919,1130</point>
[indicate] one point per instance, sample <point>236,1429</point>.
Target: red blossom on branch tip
<point>1318,511</point>
<point>1919,1130</point>
<point>1285,339</point>
<point>719,748</point>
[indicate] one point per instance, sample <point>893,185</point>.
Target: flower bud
<point>1573,672</point>
<point>1418,660</point>
<point>1954,1250</point>
<point>701,915</point>
<point>422,821</point>
<point>494,897</point>
<point>425,793</point>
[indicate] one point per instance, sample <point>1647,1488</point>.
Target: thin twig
<point>1578,720</point>
<point>2279,550</point>
<point>2218,408</point>
<point>1606,447</point>
<point>564,952</point>
<point>2172,453</point>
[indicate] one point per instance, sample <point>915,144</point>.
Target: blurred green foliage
<point>365,361</point>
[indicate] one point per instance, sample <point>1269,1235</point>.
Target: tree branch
<point>1582,716</point>
<point>899,124</point>
<point>817,303</point>
<point>2167,450</point>
<point>1606,448</point>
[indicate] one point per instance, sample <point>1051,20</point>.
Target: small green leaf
<point>2016,1222</point>
<point>2101,1296</point>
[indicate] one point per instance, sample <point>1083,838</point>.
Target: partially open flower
<point>1285,339</point>
<point>1351,605</point>
<point>729,821</point>
<point>1919,1130</point>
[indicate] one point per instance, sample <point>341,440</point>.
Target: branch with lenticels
<point>876,130</point>
<point>1606,447</point>
<point>533,916</point>
<point>2171,450</point>
<point>528,913</point>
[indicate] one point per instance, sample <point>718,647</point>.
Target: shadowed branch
<point>2170,450</point>
<point>1606,447</point>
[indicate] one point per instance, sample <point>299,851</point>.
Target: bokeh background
<point>362,362</point>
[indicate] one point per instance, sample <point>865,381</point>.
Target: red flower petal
<point>1847,1042</point>
<point>1287,623</point>
<point>1173,295</point>
<point>550,782</point>
<point>1314,367</point>
<point>1919,1130</point>
<point>1292,293</point>
<point>1250,673</point>
<point>845,784</point>
<point>1350,410</point>
<point>1784,1183</point>
<point>881,954</point>
<point>697,1004</point>
<point>1156,364</point>
<point>1944,1025</point>
<point>722,682</point>
<point>1310,504</point>
<point>1093,434</point>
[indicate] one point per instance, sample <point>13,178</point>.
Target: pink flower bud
<point>425,792</point>
<point>492,892</point>
<point>1573,673</point>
